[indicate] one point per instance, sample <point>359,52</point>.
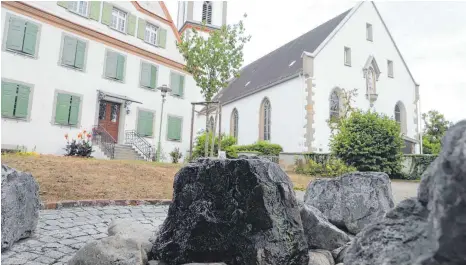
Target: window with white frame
<point>347,56</point>
<point>119,20</point>
<point>369,32</point>
<point>390,68</point>
<point>80,7</point>
<point>151,34</point>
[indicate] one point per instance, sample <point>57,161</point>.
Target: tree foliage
<point>214,59</point>
<point>435,127</point>
<point>369,141</point>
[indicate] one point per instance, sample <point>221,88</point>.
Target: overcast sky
<point>430,35</point>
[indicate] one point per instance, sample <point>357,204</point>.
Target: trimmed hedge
<point>263,147</point>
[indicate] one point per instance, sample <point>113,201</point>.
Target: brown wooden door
<point>109,117</point>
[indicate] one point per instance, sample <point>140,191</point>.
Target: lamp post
<point>164,89</point>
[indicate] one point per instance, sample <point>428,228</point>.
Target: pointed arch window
<point>265,120</point>
<point>335,105</point>
<point>234,124</point>
<point>400,116</point>
<point>207,12</point>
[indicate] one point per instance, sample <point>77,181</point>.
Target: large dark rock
<point>20,205</point>
<point>240,212</point>
<point>429,229</point>
<point>353,200</point>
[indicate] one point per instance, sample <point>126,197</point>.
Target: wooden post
<point>206,145</point>
<point>219,127</point>
<point>191,135</point>
<point>213,135</point>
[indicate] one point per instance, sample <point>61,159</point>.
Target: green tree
<point>369,141</point>
<point>435,127</point>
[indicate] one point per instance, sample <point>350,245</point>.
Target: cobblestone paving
<point>61,233</point>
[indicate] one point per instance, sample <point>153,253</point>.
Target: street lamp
<point>164,89</point>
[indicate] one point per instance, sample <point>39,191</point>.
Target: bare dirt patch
<point>66,178</point>
<point>300,182</point>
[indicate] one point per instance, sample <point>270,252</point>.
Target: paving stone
<point>99,236</point>
<point>11,261</point>
<point>45,260</point>
<point>69,242</point>
<point>84,238</point>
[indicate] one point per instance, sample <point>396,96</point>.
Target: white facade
<point>289,99</point>
<point>46,76</point>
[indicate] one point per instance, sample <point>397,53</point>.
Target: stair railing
<point>104,140</point>
<point>138,142</point>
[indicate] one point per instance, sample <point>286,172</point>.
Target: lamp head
<point>164,89</point>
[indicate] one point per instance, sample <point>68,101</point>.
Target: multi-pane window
<point>15,100</point>
<point>73,53</point>
<point>334,105</point>
<point>398,114</point>
<point>266,115</point>
<point>67,109</point>
<point>390,68</point>
<point>369,32</point>
<point>347,56</point>
<point>174,128</point>
<point>177,84</point>
<point>234,124</point>
<point>145,123</point>
<point>21,36</point>
<point>148,75</point>
<point>118,20</point>
<point>115,66</point>
<point>207,12</point>
<point>80,7</point>
<point>151,34</point>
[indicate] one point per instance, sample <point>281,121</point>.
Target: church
<point>287,96</point>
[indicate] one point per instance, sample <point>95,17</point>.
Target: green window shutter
<point>63,4</point>
<point>62,109</point>
<point>149,123</point>
<point>174,83</point>
<point>69,51</point>
<point>111,64</point>
<point>107,14</point>
<point>94,11</point>
<point>174,128</point>
<point>181,85</point>
<point>15,36</point>
<point>80,53</point>
<point>170,128</point>
<point>131,29</point>
<point>153,76</point>
<point>30,37</point>
<point>22,102</point>
<point>162,37</point>
<point>120,67</point>
<point>145,75</point>
<point>141,126</point>
<point>141,28</point>
<point>74,110</point>
<point>8,98</point>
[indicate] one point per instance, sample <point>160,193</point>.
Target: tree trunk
<point>212,147</point>
<point>206,146</point>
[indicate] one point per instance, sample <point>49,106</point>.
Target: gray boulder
<point>340,253</point>
<point>353,200</point>
<point>320,257</point>
<point>110,251</point>
<point>130,229</point>
<point>236,211</point>
<point>429,229</point>
<point>320,233</point>
<point>20,205</point>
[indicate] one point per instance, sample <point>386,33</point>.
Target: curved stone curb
<point>101,203</point>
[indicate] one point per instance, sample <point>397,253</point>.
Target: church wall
<point>287,115</point>
<point>331,72</point>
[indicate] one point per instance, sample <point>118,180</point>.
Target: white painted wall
<point>287,124</point>
<point>331,72</point>
<point>46,76</point>
<point>153,7</point>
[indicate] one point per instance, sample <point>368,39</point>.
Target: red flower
<point>88,135</point>
<point>66,136</point>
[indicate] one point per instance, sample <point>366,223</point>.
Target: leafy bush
<point>417,165</point>
<point>369,141</point>
<point>175,155</point>
<point>263,147</point>
<point>81,147</point>
<point>332,168</point>
<point>227,145</point>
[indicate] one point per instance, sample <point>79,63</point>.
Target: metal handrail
<point>141,144</point>
<point>101,137</point>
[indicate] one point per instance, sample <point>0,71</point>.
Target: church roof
<point>278,65</point>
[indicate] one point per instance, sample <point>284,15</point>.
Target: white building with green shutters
<point>95,66</point>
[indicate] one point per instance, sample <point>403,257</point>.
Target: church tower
<point>192,14</point>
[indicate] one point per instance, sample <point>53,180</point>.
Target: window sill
<point>177,96</point>
<point>117,30</point>
<point>114,79</point>
<point>152,44</point>
<point>348,64</point>
<point>390,76</point>
<point>66,125</point>
<point>72,67</point>
<point>174,140</point>
<point>370,40</point>
<point>21,53</point>
<point>15,118</point>
<point>148,88</point>
<point>81,15</point>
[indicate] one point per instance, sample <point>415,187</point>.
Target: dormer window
<point>79,7</point>
<point>207,12</point>
<point>369,32</point>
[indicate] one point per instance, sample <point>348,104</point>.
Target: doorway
<point>109,117</point>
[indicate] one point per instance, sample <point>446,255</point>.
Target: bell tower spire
<point>192,14</point>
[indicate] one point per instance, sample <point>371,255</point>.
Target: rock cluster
<point>429,229</point>
<point>20,205</point>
